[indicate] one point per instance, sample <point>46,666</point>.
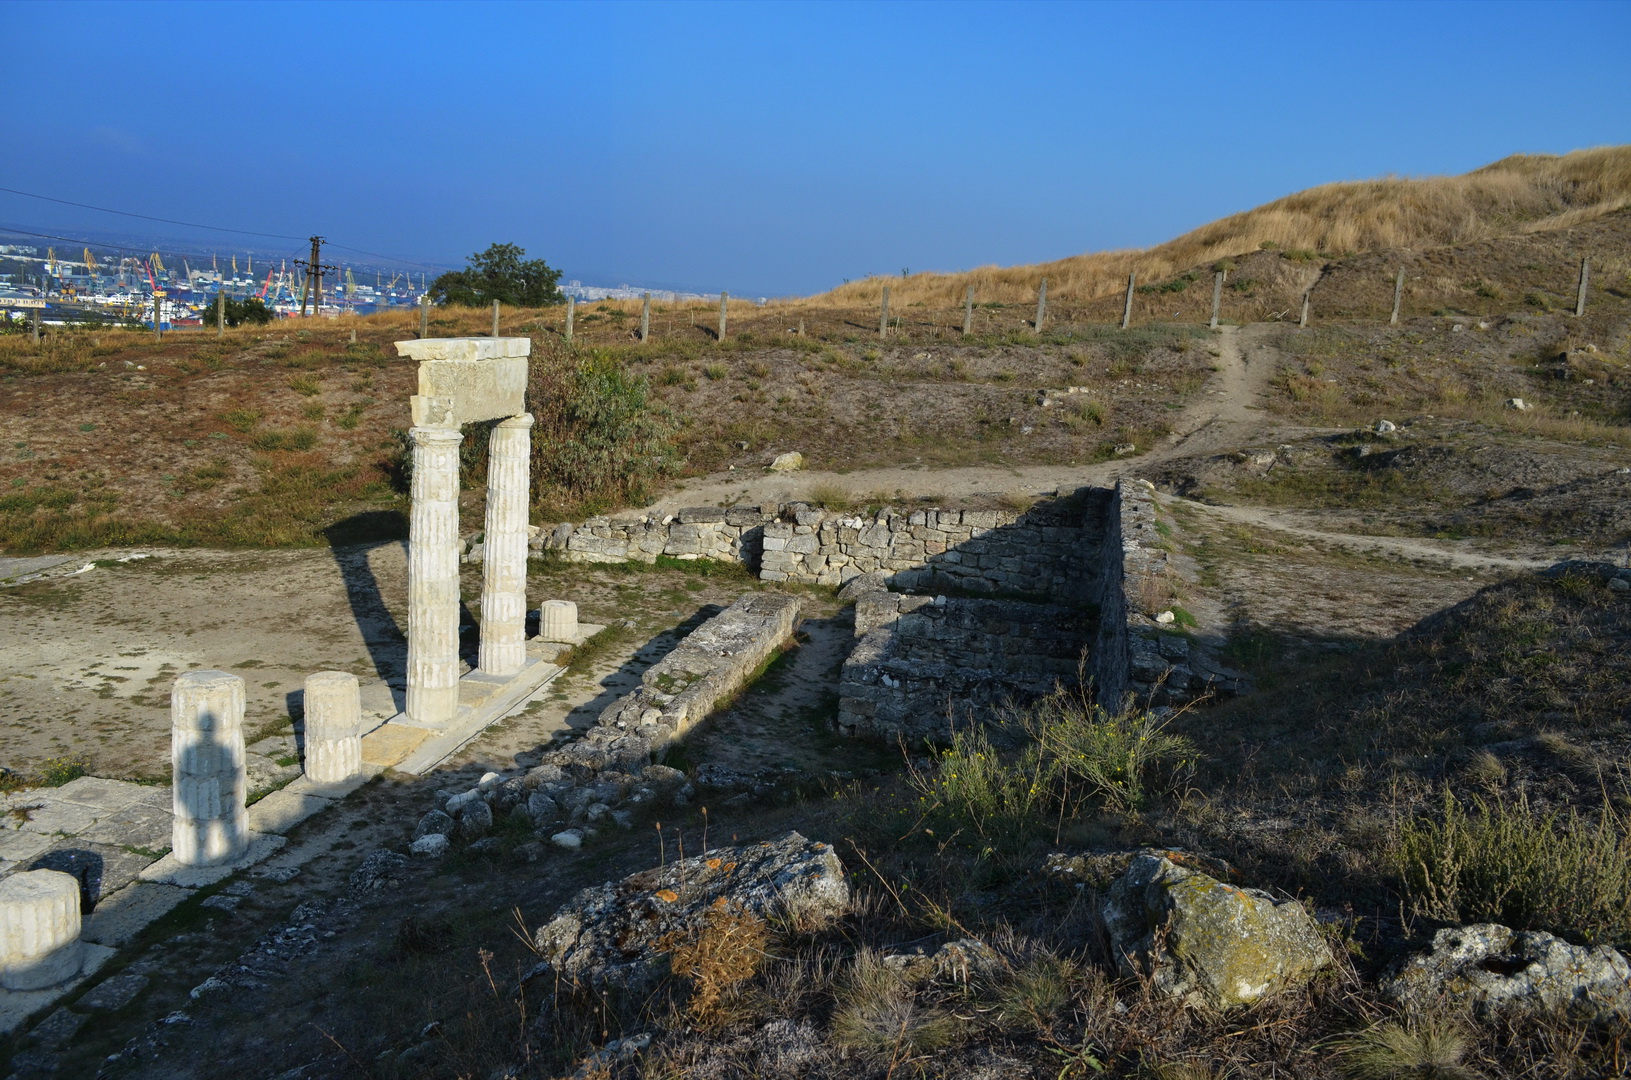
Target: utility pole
<point>314,277</point>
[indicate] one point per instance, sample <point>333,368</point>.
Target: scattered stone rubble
<point>1495,969</point>
<point>1207,942</point>
<point>611,935</point>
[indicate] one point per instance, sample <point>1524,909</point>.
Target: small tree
<point>499,273</point>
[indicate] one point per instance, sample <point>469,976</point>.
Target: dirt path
<point>1442,551</point>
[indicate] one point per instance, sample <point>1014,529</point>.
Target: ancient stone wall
<point>919,660</point>
<point>713,662</point>
<point>1041,551</point>
<point>1139,650</point>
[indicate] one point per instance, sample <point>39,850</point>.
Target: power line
<point>195,225</point>
<point>150,217</point>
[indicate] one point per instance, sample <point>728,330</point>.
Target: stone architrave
<point>558,621</point>
<point>207,763</point>
<point>482,378</point>
<point>433,578</point>
<point>333,727</point>
<point>504,560</point>
<point>39,930</point>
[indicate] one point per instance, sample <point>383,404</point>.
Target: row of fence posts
<point>883,308</point>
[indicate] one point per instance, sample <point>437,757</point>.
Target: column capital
<point>521,420</point>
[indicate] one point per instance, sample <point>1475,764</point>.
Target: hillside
<point>1523,193</point>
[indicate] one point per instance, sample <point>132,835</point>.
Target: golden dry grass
<point>1521,193</point>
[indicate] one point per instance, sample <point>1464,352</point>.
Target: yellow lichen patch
<point>713,864</point>
<point>667,895</point>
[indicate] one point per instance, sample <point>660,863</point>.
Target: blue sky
<point>774,148</point>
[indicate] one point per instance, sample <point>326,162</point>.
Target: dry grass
<point>1524,192</point>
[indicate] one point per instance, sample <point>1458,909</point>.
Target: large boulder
<point>1206,942</point>
<point>611,935</point>
<point>1495,969</point>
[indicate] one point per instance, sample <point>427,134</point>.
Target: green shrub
<point>600,439</point>
<point>1125,760</point>
<point>1508,863</point>
<point>972,786</point>
<point>57,771</point>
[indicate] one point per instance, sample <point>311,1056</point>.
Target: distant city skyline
<point>775,149</point>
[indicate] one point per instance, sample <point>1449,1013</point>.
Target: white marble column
<point>333,727</point>
<point>558,621</point>
<point>504,558</point>
<point>433,578</point>
<point>207,768</point>
<point>39,929</point>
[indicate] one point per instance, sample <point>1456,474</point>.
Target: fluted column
<point>39,929</point>
<point>433,578</point>
<point>333,727</point>
<point>504,557</point>
<point>207,768</point>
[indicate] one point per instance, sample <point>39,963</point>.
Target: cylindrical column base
<point>39,929</point>
<point>558,621</point>
<point>207,766</point>
<point>333,727</point>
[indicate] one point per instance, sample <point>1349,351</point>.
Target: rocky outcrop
<point>613,935</point>
<point>1207,942</point>
<point>1495,969</point>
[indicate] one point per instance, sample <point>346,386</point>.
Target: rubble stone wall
<point>1041,551</point>
<point>920,661</point>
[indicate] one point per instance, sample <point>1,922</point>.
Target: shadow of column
<point>350,542</point>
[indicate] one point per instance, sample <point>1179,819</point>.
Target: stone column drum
<point>504,560</point>
<point>39,929</point>
<point>333,727</point>
<point>558,621</point>
<point>433,578</point>
<point>207,763</point>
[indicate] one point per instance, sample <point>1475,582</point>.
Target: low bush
<point>1506,862</point>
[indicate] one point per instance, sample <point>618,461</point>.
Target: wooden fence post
<point>883,316</point>
<point>424,316</point>
<point>353,335</point>
<point>1217,297</point>
<point>220,314</point>
<point>645,319</point>
<point>724,301</point>
<point>1580,297</point>
<point>1127,307</point>
<point>1041,304</point>
<point>158,316</point>
<point>1303,319</point>
<point>968,311</point>
<point>801,327</point>
<point>495,318</point>
<point>1398,298</point>
<point>34,325</point>
<point>571,307</point>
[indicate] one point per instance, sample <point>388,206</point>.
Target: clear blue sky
<point>774,148</point>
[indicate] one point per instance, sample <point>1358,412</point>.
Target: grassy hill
<point>1524,193</point>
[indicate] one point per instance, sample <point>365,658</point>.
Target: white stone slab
<point>56,817</point>
<point>99,793</point>
<point>476,348</point>
<point>305,786</point>
<point>16,1006</point>
<point>18,846</point>
<point>283,810</point>
<point>168,871</point>
<point>473,721</point>
<point>478,388</point>
<point>119,917</point>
